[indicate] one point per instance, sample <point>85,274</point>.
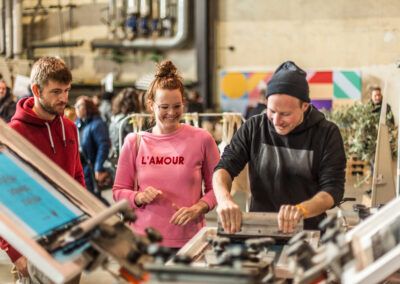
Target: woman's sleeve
<point>124,183</point>
<point>211,158</point>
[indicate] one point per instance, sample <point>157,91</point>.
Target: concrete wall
<point>318,35</point>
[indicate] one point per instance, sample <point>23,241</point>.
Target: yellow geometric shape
<point>233,85</point>
<point>254,80</point>
<point>321,91</point>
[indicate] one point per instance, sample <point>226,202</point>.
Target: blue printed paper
<point>32,199</point>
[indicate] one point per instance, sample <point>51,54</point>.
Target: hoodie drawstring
<point>63,132</point>
<point>50,137</point>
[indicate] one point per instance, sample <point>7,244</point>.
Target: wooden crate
<point>357,167</point>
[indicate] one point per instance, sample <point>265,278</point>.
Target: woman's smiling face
<point>167,108</point>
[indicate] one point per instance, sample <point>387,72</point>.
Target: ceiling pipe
<point>150,43</point>
<point>8,28</point>
<point>56,44</point>
<point>2,39</point>
<point>17,28</point>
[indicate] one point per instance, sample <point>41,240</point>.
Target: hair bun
<point>166,69</point>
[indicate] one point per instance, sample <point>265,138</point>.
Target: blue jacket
<point>94,141</point>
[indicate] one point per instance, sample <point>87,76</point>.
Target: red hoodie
<point>57,139</point>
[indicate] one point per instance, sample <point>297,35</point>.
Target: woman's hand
<point>184,215</point>
<point>147,196</point>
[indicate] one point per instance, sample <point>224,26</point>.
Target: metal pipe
<point>17,28</point>
<point>2,39</point>
<point>8,28</point>
<point>132,6</point>
<point>155,19</point>
<point>112,9</point>
<point>155,9</point>
<point>132,19</point>
<point>145,8</point>
<point>144,27</point>
<point>163,9</point>
<point>50,44</point>
<point>149,43</point>
<point>112,17</point>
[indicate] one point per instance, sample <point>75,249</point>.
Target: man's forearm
<point>317,205</point>
<point>228,211</point>
<point>222,184</point>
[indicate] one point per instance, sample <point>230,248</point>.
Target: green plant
<point>358,125</point>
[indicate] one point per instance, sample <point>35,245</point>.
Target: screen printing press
<point>256,254</point>
<point>63,230</point>
<point>367,254</point>
<point>59,226</point>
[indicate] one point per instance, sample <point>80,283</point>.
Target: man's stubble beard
<point>48,108</point>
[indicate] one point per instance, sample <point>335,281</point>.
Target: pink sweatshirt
<point>176,164</point>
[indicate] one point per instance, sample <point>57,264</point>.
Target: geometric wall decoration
<point>347,85</point>
<point>321,88</point>
<point>238,90</point>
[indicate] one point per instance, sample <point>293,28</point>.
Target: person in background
<point>97,100</point>
<point>7,103</point>
<point>376,103</point>
<point>194,103</point>
<point>259,108</point>
<point>105,107</point>
<point>160,171</point>
<point>40,120</point>
<point>296,158</point>
<point>126,102</point>
<point>69,112</point>
<point>94,143</point>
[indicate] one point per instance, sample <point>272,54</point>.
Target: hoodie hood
<point>25,114</point>
<point>312,116</point>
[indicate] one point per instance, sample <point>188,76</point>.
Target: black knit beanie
<point>291,80</point>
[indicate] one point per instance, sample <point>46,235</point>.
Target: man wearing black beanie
<point>296,158</point>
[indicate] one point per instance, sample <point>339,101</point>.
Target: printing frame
<point>66,185</point>
<point>364,268</point>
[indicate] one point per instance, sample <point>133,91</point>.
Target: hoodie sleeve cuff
<point>132,201</point>
<point>13,254</point>
<point>210,200</point>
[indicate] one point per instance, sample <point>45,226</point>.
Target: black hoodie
<point>288,169</point>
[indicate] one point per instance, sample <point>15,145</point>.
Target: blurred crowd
<point>100,120</point>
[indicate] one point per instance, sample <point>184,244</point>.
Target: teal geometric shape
<point>338,93</point>
<point>347,85</point>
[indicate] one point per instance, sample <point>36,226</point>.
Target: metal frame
<point>364,269</point>
<point>17,236</point>
<point>145,115</point>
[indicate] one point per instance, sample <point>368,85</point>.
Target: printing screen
<point>31,201</point>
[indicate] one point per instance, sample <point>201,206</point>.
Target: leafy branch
<point>358,125</point>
